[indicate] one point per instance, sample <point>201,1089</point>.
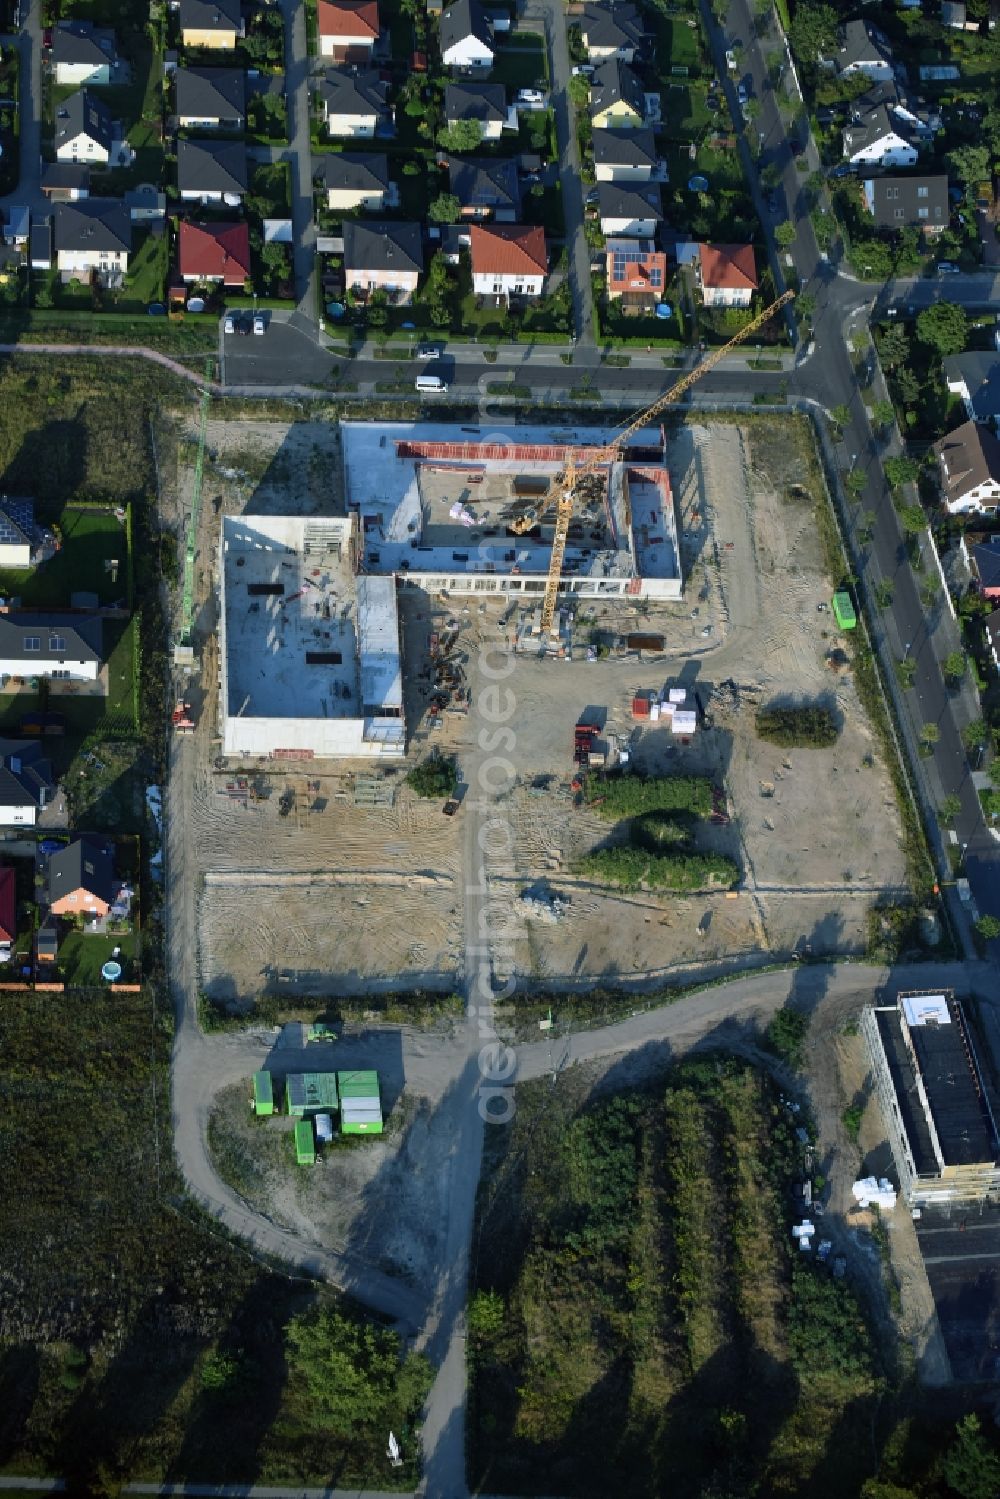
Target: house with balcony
<point>82,53</point>
<point>92,236</point>
<point>210,98</point>
<point>212,172</point>
<point>353,179</point>
<point>897,202</point>
<point>50,645</point>
<point>355,105</point>
<point>727,275</point>
<point>348,30</point>
<point>878,141</point>
<point>612,31</point>
<point>969,463</point>
<point>629,209</point>
<point>213,24</point>
<point>636,275</point>
<point>383,257</point>
<point>508,260</point>
<point>617,98</point>
<point>626,156</point>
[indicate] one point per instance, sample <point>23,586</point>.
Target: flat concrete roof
<point>951,1081</point>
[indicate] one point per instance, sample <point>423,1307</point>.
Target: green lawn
<point>523,66</point>
<point>81,958</point>
<point>678,45</point>
<point>147,272</point>
<point>686,115</point>
<point>91,539</point>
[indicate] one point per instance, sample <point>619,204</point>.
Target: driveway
<point>29,186</point>
<point>297,94</point>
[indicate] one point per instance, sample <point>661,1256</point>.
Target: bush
<point>785,1035</point>
<point>806,727</point>
<point>630,795</point>
<point>657,830</point>
<point>629,868</point>
<point>435,778</point>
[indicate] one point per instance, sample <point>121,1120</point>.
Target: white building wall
<point>485,284</point>
<point>356,127</point>
<point>82,148</point>
<point>468,53</point>
<point>15,554</point>
<point>890,151</point>
<point>18,817</point>
<point>91,260</point>
<point>984,496</point>
<point>633,228</point>
<point>46,666</point>
<point>726,296</point>
<point>613,172</point>
<point>322,738</point>
<point>67,73</point>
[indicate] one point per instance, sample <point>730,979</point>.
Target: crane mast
<point>574,472</point>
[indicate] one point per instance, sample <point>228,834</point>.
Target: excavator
<point>564,494</point>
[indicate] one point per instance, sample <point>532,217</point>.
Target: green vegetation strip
<point>628,796</point>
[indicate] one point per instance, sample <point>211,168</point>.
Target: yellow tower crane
<point>574,472</point>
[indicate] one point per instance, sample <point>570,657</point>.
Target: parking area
<point>285,355</point>
<point>961,1253</point>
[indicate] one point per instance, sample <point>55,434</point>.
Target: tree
<point>784,234</point>
<point>884,593</point>
<point>461,135</point>
<point>841,416</point>
<point>971,1467</point>
<point>855,483</point>
<point>444,209</point>
<point>813,30</point>
<point>974,735</point>
<point>894,346</point>
<point>354,1373</point>
<point>950,808</point>
<point>969,163</point>
<point>882,414</point>
<point>805,306</point>
<point>955,664</point>
<point>929,736</point>
<point>900,471</point>
<point>944,328</point>
<point>906,670</point>
<point>912,519</point>
<point>988,928</point>
<point>434,777</point>
<point>872,259</point>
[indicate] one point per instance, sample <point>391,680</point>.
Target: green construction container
<point>360,1105</point>
<point>263,1095</point>
<point>305,1143</point>
<point>843,610</point>
<point>310,1093</point>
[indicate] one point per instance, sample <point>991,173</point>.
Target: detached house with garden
<point>355,105</point>
<point>210,98</point>
<point>92,235</point>
<point>353,179</point>
<point>508,260</point>
<point>969,460</point>
<point>213,253</point>
<point>83,53</point>
<point>214,24</point>
<point>348,30</point>
<point>727,275</point>
<point>466,37</point>
<point>382,257</point>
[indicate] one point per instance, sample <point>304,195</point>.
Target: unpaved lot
<point>371,897</point>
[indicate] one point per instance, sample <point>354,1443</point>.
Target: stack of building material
<point>803,1232</point>
<point>869,1192</point>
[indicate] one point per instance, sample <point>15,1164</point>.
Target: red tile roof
<point>213,250</point>
<point>732,267</point>
<point>8,905</point>
<point>359,21</point>
<point>508,250</point>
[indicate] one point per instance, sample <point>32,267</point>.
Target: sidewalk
<point>552,354</point>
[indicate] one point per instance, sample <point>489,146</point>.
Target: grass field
<point>138,1343</point>
<point>91,539</point>
<point>638,1324</point>
<point>521,66</point>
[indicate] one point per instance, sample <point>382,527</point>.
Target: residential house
<point>8,910</point>
<point>612,31</point>
<point>212,171</point>
<point>969,459</point>
<point>353,179</point>
<point>486,187</point>
<point>728,275</point>
<point>83,129</point>
<point>636,276</point>
<point>486,103</point>
<point>625,155</point>
<point>214,252</point>
<point>210,98</point>
<point>348,29</point>
<point>354,104</point>
<point>82,53</point>
<point>19,534</point>
<point>385,257</point>
<point>211,23</point>
<point>908,202</point>
<point>617,98</point>
<point>466,36</point>
<point>82,879</point>
<point>65,181</point>
<point>50,645</point>
<point>984,560</point>
<point>624,209</point>
<point>508,260</point>
<point>26,782</point>
<point>955,15</point>
<point>976,378</point>
<point>93,235</point>
<point>913,121</point>
<point>877,141</point>
<point>863,49</point>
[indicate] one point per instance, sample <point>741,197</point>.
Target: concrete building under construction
<point>935,1099</point>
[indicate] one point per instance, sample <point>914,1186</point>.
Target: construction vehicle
<point>563,491</point>
<point>583,737</point>
<point>180,719</point>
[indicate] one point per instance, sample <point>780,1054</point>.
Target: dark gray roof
<point>463,19</point>
<point>210,93</point>
<point>860,42</point>
<point>900,201</point>
<point>885,93</point>
<point>352,171</point>
<point>346,93</point>
<point>210,15</point>
<point>25,773</point>
<point>84,864</point>
<point>615,80</point>
<point>78,41</point>
<point>211,166</point>
<point>485,182</point>
<point>980,374</point>
<point>65,175</point>
<point>83,114</point>
<point>372,246</point>
<point>612,26</point>
<point>485,102</point>
<point>987,560</point>
<point>625,148</point>
<point>622,200</point>
<point>872,128</point>
<point>93,224</point>
<point>17,519</point>
<point>82,634</point>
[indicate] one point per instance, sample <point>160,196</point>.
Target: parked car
<point>948,268</point>
<point>229,326</point>
<point>741,93</point>
<point>428,351</point>
<point>730,59</point>
<point>259,326</point>
<point>584,70</point>
<point>530,96</point>
<point>844,170</point>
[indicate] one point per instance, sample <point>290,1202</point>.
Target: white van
<point>430,382</point>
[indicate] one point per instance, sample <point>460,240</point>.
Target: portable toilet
<point>360,1106</point>
<point>843,610</point>
<point>263,1095</point>
<point>305,1145</point>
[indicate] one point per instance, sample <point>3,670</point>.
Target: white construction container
<point>677,694</point>
<point>683,721</point>
<point>654,710</point>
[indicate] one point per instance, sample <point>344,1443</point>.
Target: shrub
<point>628,868</point>
<point>630,795</point>
<point>806,727</point>
<point>657,830</point>
<point>785,1035</point>
<point>434,778</point>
